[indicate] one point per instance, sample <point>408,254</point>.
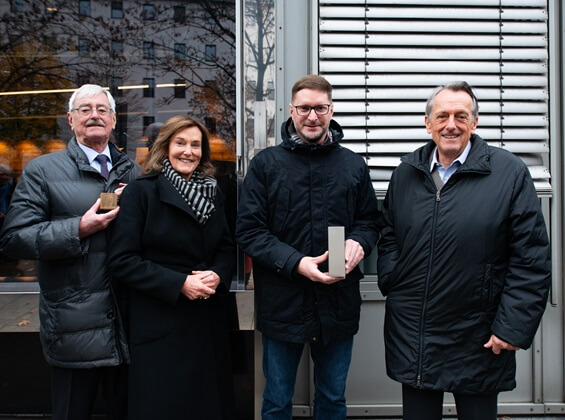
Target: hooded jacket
<point>291,194</point>
<point>458,265</point>
<point>79,322</point>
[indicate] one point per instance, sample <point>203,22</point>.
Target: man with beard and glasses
<point>54,218</point>
<point>290,196</point>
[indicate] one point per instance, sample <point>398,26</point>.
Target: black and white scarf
<point>199,191</point>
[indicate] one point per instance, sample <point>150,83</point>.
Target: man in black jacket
<point>291,194</point>
<point>464,261</point>
<point>54,218</point>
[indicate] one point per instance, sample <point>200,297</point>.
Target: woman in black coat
<point>172,248</point>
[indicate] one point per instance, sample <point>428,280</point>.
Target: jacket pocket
<point>280,212</point>
<point>281,303</point>
<point>486,290</point>
<point>77,325</point>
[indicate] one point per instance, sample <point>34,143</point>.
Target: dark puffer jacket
<point>459,265</point>
<point>80,327</point>
<point>290,195</point>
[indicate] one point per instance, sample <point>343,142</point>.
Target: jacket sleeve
<point>387,247</point>
<point>524,296</point>
<point>252,229</point>
<point>365,223</point>
<point>125,253</point>
<point>29,231</point>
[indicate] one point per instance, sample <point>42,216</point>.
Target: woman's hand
<point>209,278</point>
<point>195,288</point>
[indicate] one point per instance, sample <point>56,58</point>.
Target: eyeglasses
<point>304,110</point>
<point>86,111</point>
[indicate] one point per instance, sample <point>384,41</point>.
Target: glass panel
<point>48,53</point>
<point>258,93</point>
<point>259,76</point>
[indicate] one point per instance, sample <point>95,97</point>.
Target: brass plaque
<point>108,201</point>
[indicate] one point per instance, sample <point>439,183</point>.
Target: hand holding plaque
<point>108,201</point>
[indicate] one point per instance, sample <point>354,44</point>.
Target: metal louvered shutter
<point>384,58</point>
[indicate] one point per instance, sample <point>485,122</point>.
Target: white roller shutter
<point>384,58</point>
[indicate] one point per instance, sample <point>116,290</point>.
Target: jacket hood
<point>287,143</point>
<point>477,161</point>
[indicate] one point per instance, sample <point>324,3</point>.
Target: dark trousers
<point>418,404</point>
<point>73,392</point>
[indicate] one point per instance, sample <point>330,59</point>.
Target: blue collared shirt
<point>91,155</point>
<point>445,173</point>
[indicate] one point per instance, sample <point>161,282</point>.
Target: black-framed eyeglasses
<point>86,111</point>
<point>304,110</point>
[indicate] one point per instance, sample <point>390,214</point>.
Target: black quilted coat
<point>79,323</point>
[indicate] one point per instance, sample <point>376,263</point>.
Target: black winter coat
<point>459,265</point>
<point>77,311</point>
<point>290,195</point>
<point>180,353</point>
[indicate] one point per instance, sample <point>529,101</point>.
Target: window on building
<point>115,83</point>
<point>83,46</point>
<point>148,11</point>
<point>180,88</point>
<point>17,6</point>
<point>148,120</point>
<point>180,51</point>
<point>179,14</point>
<point>148,50</point>
<point>117,48</point>
<point>117,10</point>
<point>149,91</point>
<point>210,53</point>
<point>84,8</point>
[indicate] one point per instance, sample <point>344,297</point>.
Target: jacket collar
<point>120,162</point>
<point>169,194</point>
<point>287,143</point>
<point>478,160</point>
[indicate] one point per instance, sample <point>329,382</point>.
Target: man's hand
<point>92,222</point>
<point>353,255</point>
<point>496,344</point>
<point>308,267</point>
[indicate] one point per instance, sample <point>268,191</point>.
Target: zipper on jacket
<point>426,289</point>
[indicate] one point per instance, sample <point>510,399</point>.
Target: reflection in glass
<point>259,92</point>
<point>49,51</point>
<point>259,75</point>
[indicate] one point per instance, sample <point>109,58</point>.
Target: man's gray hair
<point>455,87</point>
<point>87,91</point>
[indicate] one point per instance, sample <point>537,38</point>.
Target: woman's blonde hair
<point>160,149</point>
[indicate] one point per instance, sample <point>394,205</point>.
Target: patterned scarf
<point>199,191</point>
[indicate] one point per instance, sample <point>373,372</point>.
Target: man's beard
<point>312,139</point>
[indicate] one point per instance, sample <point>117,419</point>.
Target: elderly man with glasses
<point>290,196</point>
<point>55,218</point>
